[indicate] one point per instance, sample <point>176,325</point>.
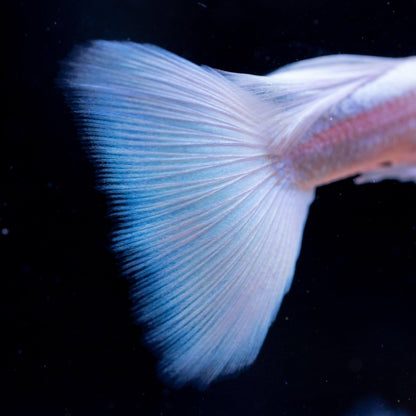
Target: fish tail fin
<point>209,226</point>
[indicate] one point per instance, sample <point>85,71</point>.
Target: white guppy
<point>211,175</point>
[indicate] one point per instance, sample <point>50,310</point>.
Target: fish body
<point>364,113</point>
<point>373,128</point>
<point>211,175</point>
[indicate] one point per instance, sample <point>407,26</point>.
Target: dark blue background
<point>345,331</point>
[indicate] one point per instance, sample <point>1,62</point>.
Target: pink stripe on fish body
<point>344,145</point>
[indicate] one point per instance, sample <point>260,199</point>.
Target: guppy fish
<point>211,175</point>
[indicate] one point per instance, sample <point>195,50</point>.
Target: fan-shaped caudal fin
<point>209,229</point>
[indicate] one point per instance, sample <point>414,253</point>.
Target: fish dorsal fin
<point>304,91</point>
